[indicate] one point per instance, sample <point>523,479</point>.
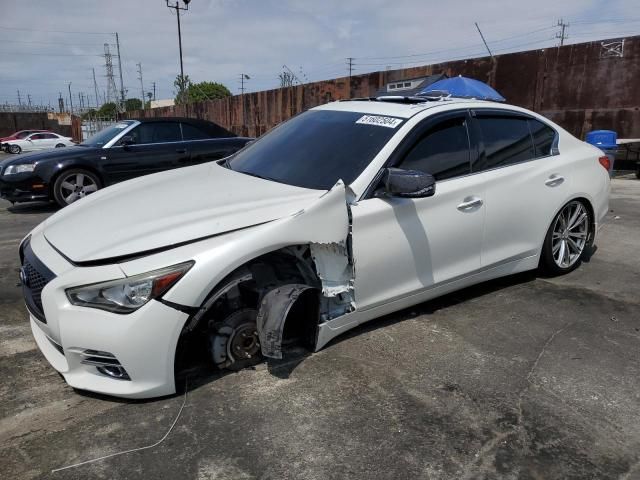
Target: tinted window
<point>49,135</point>
<point>317,148</point>
<point>37,136</point>
<point>190,132</point>
<point>543,137</point>
<point>506,141</point>
<point>156,132</point>
<point>443,151</point>
<point>104,136</point>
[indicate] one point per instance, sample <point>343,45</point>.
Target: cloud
<point>223,38</point>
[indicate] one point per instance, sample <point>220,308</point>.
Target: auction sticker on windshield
<point>379,120</point>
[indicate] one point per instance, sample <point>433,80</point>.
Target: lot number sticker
<point>379,121</point>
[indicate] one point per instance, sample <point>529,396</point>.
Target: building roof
<point>409,86</point>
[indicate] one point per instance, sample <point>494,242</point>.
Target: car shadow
<point>203,374</point>
<point>33,208</point>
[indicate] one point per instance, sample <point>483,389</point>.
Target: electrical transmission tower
<point>141,84</point>
<point>561,34</point>
<point>112,90</point>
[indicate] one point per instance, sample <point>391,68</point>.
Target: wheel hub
<point>244,342</point>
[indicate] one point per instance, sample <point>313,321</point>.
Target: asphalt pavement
<point>525,377</point>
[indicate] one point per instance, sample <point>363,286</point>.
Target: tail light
<point>605,162</point>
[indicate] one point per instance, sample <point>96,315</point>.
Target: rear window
<point>507,141</point>
<point>543,136</point>
<point>191,132</point>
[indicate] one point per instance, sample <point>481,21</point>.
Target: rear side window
<point>191,132</point>
<point>506,142</point>
<point>49,135</point>
<point>543,138</point>
<point>156,132</point>
<point>37,136</point>
<point>443,151</point>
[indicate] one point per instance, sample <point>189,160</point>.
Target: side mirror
<point>408,183</point>
<point>127,140</point>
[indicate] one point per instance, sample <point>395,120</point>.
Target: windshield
<point>23,134</point>
<point>317,148</point>
<point>104,136</point>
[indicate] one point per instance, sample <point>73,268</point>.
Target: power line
<point>2,27</point>
<point>483,40</point>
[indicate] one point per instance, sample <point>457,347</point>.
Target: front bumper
<point>23,187</point>
<point>143,342</point>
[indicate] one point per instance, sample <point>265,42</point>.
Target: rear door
<point>525,183</point>
<point>50,140</point>
<point>157,146</point>
<point>404,246</point>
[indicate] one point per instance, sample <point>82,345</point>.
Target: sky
<point>46,44</point>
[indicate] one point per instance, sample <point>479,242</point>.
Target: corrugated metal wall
<point>576,85</point>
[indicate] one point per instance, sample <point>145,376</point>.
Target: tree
<point>131,104</point>
<point>108,110</point>
<point>181,83</point>
<point>189,92</point>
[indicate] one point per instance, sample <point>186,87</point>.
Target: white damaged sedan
<point>346,212</point>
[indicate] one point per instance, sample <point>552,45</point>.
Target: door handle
<point>554,180</point>
<point>469,203</point>
<point>181,150</point>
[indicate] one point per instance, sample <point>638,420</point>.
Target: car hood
<point>55,155</point>
<point>168,209</point>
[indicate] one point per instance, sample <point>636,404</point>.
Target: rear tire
<point>14,149</point>
<point>73,185</point>
<point>567,239</point>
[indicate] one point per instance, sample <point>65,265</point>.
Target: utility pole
<point>561,34</point>
<point>112,91</point>
<point>154,91</point>
<point>95,87</point>
<point>29,99</point>
<point>19,99</point>
<point>70,100</point>
<point>178,8</point>
<point>483,40</point>
<point>120,70</point>
<point>350,64</point>
<point>243,77</point>
<point>141,84</point>
<point>80,101</point>
<point>60,102</point>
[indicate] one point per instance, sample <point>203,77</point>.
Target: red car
<point>17,136</point>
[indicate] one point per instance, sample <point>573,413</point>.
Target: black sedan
<point>127,149</point>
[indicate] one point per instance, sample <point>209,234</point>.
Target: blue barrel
<point>604,139</point>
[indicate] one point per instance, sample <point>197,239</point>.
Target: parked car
<point>38,141</point>
<point>125,150</point>
<point>17,136</point>
<point>344,213</point>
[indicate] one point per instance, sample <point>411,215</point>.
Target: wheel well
<point>55,176</point>
<point>592,225</point>
<point>245,287</point>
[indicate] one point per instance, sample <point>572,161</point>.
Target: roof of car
<point>405,108</point>
<point>211,128</point>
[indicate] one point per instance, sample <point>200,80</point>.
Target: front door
<point>157,146</point>
<point>404,246</point>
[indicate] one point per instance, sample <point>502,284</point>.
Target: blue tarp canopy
<point>463,87</point>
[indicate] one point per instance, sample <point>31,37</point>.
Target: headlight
<point>127,294</point>
<point>23,168</point>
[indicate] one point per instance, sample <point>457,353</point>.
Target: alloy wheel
<point>570,234</point>
<point>76,186</point>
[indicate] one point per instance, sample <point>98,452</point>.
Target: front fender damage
<point>327,224</point>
